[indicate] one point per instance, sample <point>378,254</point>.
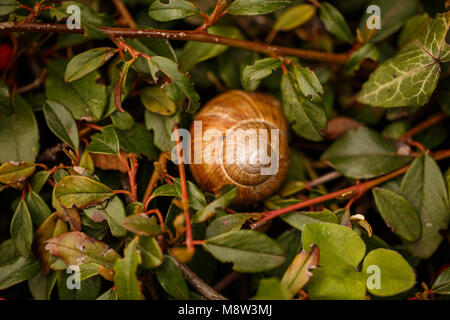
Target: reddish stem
<point>184,191</point>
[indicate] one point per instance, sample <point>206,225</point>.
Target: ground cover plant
<point>95,202</point>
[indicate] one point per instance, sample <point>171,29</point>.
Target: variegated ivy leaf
<point>410,77</point>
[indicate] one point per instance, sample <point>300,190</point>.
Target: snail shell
<point>254,114</point>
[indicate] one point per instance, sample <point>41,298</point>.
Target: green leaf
<point>89,288</point>
<point>424,186</point>
<point>334,22</point>
<point>223,200</point>
<point>61,123</point>
<point>8,6</point>
<point>15,268</point>
<point>141,224</point>
<point>364,153</point>
<point>151,47</point>
<point>393,15</point>
<point>155,100</point>
<point>256,7</point>
<point>291,242</point>
<point>260,69</point>
<point>86,62</point>
<point>76,248</point>
<point>113,212</point>
<point>127,285</point>
<point>80,191</point>
<point>299,219</point>
<point>338,245</point>
<point>86,98</point>
<point>137,140</point>
<point>196,52</point>
<point>122,120</point>
<point>366,51</point>
<point>308,118</point>
<point>105,142</point>
<point>151,254</point>
<point>271,289</point>
<point>398,214</point>
<point>442,284</point>
<point>38,180</point>
<point>19,134</point>
<point>21,229</point>
<point>248,250</point>
<point>294,17</point>
<point>39,210</point>
<point>179,79</point>
<point>410,77</point>
<point>5,102</point>
<point>172,10</point>
<point>15,173</point>
<point>338,282</point>
<point>396,274</point>
<point>162,129</point>
<point>230,222</point>
<point>298,272</point>
<point>170,277</point>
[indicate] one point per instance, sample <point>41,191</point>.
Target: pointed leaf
<point>86,62</point>
<point>113,212</point>
<point>170,277</point>
<point>334,22</point>
<point>171,10</point>
<point>15,173</point>
<point>410,77</point>
<point>256,7</point>
<point>396,274</point>
<point>424,186</point>
<point>248,250</point>
<point>223,200</point>
<point>141,224</point>
<point>127,285</point>
<point>294,17</point>
<point>77,248</point>
<point>21,229</point>
<point>298,273</point>
<point>80,191</point>
<point>398,214</point>
<point>338,245</point>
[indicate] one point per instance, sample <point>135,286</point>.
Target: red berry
<point>6,54</point>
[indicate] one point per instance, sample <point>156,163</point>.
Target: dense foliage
<point>86,121</point>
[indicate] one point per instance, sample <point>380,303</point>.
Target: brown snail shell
<point>241,110</point>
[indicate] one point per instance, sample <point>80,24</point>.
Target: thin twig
<point>184,191</point>
<point>202,287</point>
<point>339,58</point>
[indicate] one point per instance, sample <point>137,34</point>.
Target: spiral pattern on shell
<point>237,118</point>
